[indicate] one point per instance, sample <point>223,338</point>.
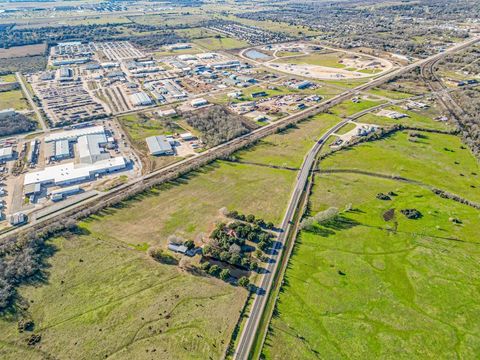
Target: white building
<point>70,173</point>
<point>6,153</point>
<point>73,135</point>
<point>62,149</point>
<point>199,102</point>
<point>159,145</point>
<point>167,112</point>
<point>90,148</point>
<point>140,99</point>
<point>187,136</point>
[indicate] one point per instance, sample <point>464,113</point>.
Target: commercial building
<point>73,135</point>
<point>71,173</point>
<point>199,102</point>
<point>90,148</point>
<point>62,149</point>
<point>6,153</point>
<point>167,112</point>
<point>302,85</point>
<point>159,145</point>
<point>140,99</point>
<point>17,219</point>
<point>187,136</point>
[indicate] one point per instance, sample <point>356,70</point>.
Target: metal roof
<point>158,145</point>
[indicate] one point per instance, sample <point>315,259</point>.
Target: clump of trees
<point>382,196</point>
<point>411,213</point>
<point>217,124</point>
<point>250,218</point>
<point>309,223</point>
<point>227,243</point>
<point>16,124</point>
<point>22,259</point>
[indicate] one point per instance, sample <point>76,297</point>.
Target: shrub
<point>225,274</point>
<point>244,281</point>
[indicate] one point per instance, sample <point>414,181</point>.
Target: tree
<point>250,218</point>
<point>214,270</point>
<point>225,256</point>
<point>244,281</point>
<point>205,266</point>
<point>253,266</point>
<point>189,244</point>
<point>225,274</point>
<point>270,225</point>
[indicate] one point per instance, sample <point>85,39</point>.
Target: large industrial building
<point>71,173</point>
<point>159,145</point>
<point>91,148</point>
<point>73,135</point>
<point>140,99</point>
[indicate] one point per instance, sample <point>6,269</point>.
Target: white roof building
<point>199,102</point>
<point>6,153</point>
<point>159,145</point>
<point>73,135</point>
<point>62,149</point>
<point>70,173</point>
<point>140,99</point>
<point>89,148</point>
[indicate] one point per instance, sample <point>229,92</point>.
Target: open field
<point>20,51</point>
<point>8,78</point>
<point>349,107</point>
<point>420,160</point>
<point>418,118</point>
<point>105,299</point>
<point>190,206</point>
<point>394,95</point>
<point>223,43</point>
<point>289,147</point>
<point>330,59</point>
<point>13,99</point>
<point>356,289</point>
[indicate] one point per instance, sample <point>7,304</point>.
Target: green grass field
<point>8,78</point>
<point>330,59</point>
<point>348,107</point>
<point>190,206</point>
<point>395,95</point>
<point>356,289</point>
<point>13,99</point>
<point>103,298</point>
<point>437,160</point>
<point>223,43</point>
<point>138,128</point>
<point>289,147</point>
<point>362,287</point>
